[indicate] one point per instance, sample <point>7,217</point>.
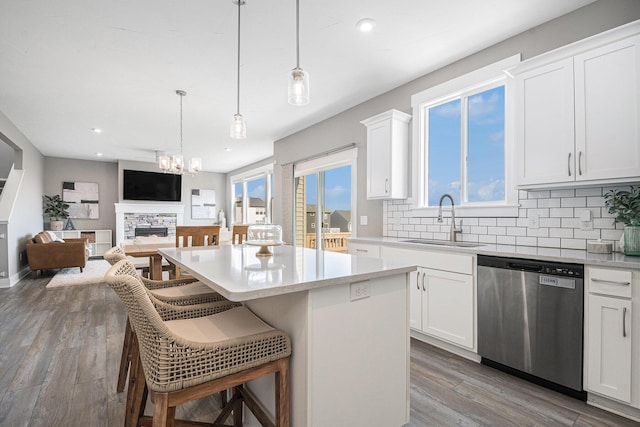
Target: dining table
<point>149,250</point>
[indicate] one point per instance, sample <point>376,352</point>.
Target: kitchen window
<point>463,145</point>
<point>252,196</point>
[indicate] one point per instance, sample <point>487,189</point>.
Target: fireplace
<point>151,231</point>
<point>145,216</point>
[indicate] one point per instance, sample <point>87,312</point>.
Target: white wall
<point>345,127</point>
<point>21,213</point>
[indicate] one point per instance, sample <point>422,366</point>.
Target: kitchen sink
<point>444,243</point>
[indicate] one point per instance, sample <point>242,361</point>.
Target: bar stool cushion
<point>234,323</point>
<point>188,290</point>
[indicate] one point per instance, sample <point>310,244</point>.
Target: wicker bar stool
<point>186,359</point>
<point>186,291</point>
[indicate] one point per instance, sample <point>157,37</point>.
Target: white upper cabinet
<point>544,123</point>
<point>387,155</point>
<point>607,82</point>
<point>577,112</point>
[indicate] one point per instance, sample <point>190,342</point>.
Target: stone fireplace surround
<point>132,215</point>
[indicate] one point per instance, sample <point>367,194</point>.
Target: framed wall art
<point>83,199</point>
<point>203,204</point>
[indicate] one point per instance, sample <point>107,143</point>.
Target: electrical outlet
<point>364,220</point>
<point>360,290</point>
<point>534,220</point>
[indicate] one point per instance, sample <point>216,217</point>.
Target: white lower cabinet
<point>447,306</point>
<point>612,339</point>
<point>443,298</point>
<point>610,347</point>
<point>363,249</point>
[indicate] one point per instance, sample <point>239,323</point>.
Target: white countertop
<point>528,252</point>
<point>236,273</point>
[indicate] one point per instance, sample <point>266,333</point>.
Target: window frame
<point>478,81</point>
<point>264,172</point>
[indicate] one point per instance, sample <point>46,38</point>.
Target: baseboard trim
<point>617,408</point>
<point>15,278</point>
<point>451,348</point>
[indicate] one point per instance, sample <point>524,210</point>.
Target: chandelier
<point>175,164</point>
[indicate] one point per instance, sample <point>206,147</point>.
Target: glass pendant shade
<point>177,163</point>
<point>195,165</point>
<point>238,127</point>
<point>298,87</point>
<point>164,162</point>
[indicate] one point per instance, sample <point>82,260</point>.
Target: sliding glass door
<point>323,205</point>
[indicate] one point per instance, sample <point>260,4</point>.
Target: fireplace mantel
<point>144,208</point>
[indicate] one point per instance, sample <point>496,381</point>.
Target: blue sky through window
<point>337,191</point>
<point>485,151</point>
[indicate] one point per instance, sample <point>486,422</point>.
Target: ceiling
<point>73,65</point>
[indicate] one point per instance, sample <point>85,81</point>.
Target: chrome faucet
<point>454,230</point>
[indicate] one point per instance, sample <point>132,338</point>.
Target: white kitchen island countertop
<point>238,274</point>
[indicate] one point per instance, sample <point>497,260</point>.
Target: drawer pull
<point>624,322</point>
<point>362,250</point>
<point>613,282</point>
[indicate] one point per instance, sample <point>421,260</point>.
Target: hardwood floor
<point>60,350</point>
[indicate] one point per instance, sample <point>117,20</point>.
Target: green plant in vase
<point>625,206</point>
<point>56,209</point>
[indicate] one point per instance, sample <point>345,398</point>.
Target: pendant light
<point>238,126</point>
<point>175,163</point>
<point>299,79</point>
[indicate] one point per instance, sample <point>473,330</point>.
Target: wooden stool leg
<point>163,414</point>
<point>125,358</point>
<point>137,392</point>
<point>282,394</point>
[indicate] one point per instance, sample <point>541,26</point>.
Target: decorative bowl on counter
<point>264,235</point>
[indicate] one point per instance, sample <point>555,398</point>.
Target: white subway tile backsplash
<point>538,194</point>
<point>498,231</point>
<point>549,242</point>
<point>589,191</point>
<point>516,231</point>
<point>559,213</point>
<point>611,234</point>
<point>595,201</point>
<point>538,232</point>
<point>506,240</point>
<point>527,241</point>
<point>586,234</point>
<point>506,222</point>
<point>573,244</point>
<point>549,203</point>
<point>561,232</point>
<point>549,222</point>
<point>487,239</point>
<point>573,202</point>
<point>563,193</point>
<point>529,203</point>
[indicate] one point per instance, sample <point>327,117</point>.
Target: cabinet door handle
<point>418,280</point>
<point>569,164</point>
<point>613,282</point>
<point>386,185</point>
<point>579,162</point>
<point>624,322</point>
<point>423,277</point>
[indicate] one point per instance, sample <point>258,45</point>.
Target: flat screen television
<point>161,187</point>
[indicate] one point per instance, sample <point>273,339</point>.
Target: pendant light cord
<point>297,33</point>
<point>238,86</point>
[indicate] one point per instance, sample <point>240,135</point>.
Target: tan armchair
<point>44,253</point>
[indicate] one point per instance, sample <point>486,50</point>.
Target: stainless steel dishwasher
<point>530,320</point>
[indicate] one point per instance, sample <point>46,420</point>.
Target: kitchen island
<point>347,318</point>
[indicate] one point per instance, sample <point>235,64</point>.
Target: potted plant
<point>56,209</point>
<point>625,205</point>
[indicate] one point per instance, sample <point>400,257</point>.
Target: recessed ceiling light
<point>99,154</point>
<point>96,130</point>
<point>365,25</point>
<point>227,149</point>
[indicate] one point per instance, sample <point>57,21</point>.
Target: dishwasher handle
<point>525,267</point>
